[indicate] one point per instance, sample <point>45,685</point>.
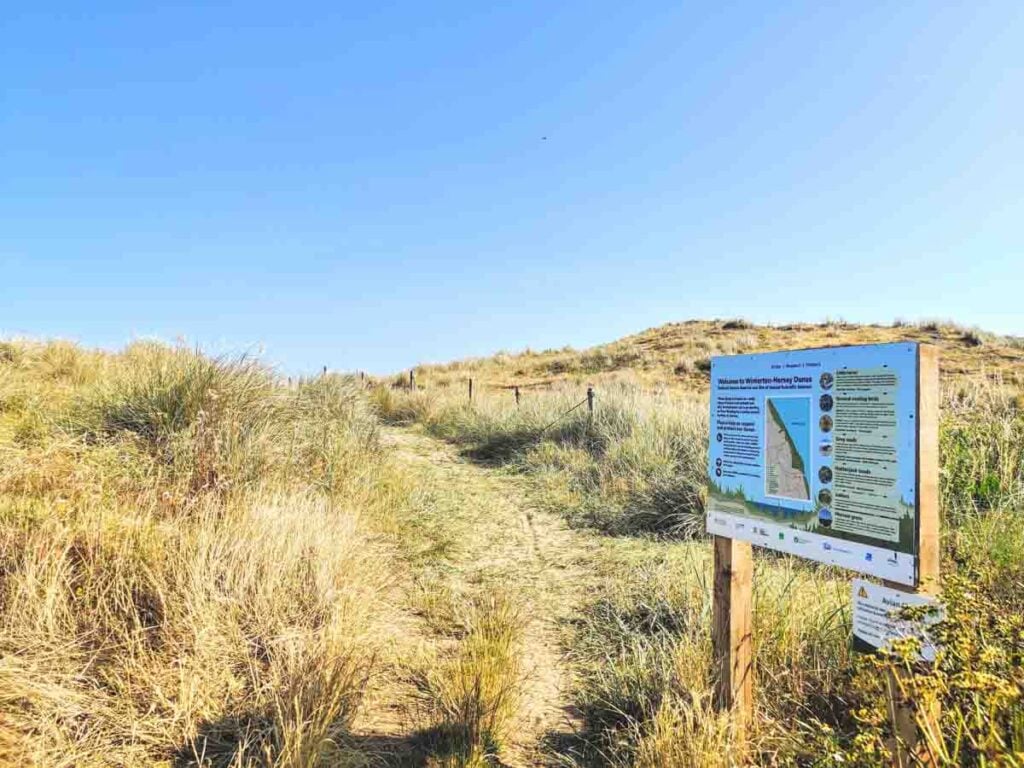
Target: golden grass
<point>471,695</point>
<point>190,563</point>
<point>677,355</point>
<point>640,647</point>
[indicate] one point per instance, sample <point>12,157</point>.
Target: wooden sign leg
<point>731,632</point>
<point>916,723</point>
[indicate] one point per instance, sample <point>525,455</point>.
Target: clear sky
<point>371,184</point>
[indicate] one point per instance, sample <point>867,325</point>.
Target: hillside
<point>202,564</point>
<point>678,354</point>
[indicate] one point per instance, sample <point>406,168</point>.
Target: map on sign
<point>813,452</point>
<point>787,447</point>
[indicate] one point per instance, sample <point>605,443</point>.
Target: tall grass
<point>189,567</point>
<point>643,652</point>
<point>637,464</point>
<point>471,697</point>
<point>641,645</point>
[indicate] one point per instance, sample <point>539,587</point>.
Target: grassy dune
<point>202,566</point>
<point>678,355</point>
<point>641,646</point>
<point>189,559</point>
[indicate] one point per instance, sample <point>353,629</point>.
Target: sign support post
<point>731,632</point>
<point>906,725</point>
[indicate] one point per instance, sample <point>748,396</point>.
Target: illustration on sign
<point>878,618</point>
<point>813,452</point>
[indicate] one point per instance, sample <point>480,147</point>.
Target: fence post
<point>590,403</point>
<point>325,370</point>
<point>412,379</point>
<point>517,395</point>
<point>471,389</point>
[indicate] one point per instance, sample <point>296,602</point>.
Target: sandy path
<point>500,541</point>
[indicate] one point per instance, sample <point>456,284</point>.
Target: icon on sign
<point>825,496</point>
<point>825,474</point>
<point>825,423</point>
<point>825,402</point>
<point>862,592</point>
<point>718,462</point>
<point>825,517</point>
<point>718,437</point>
<point>826,380</point>
<point>718,471</point>
<point>868,556</point>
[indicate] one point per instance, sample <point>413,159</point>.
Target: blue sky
<point>368,185</point>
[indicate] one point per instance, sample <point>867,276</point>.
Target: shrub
<point>977,681</point>
<point>737,324</point>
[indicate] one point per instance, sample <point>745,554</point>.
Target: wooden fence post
<point>412,379</point>
<point>731,632</point>
<point>590,403</point>
<point>325,371</point>
<point>517,394</point>
<point>471,389</point>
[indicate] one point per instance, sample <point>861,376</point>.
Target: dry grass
<point>471,696</point>
<point>677,355</point>
<point>198,564</point>
<point>640,646</point>
<point>190,568</point>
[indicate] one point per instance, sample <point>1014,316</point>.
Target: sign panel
<point>877,619</point>
<point>813,452</point>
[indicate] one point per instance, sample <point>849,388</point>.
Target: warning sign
<point>878,619</point>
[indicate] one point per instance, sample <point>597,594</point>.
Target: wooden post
<point>929,553</point>
<point>517,394</point>
<point>471,389</point>
<point>412,379</point>
<point>325,371</point>
<point>590,402</point>
<point>909,717</point>
<point>731,633</point>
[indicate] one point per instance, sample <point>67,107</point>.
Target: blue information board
<point>814,452</point>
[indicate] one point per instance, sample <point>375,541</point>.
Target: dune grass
<point>636,464</point>
<point>641,647</point>
<point>189,560</point>
<point>471,696</point>
<point>198,566</point>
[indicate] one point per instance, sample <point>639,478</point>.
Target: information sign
<point>814,453</point>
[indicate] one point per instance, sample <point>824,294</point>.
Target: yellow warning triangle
<point>862,593</point>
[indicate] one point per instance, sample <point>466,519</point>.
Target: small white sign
<point>877,620</point>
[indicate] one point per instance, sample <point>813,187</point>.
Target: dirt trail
<point>498,540</point>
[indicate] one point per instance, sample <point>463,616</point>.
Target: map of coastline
<point>787,428</point>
